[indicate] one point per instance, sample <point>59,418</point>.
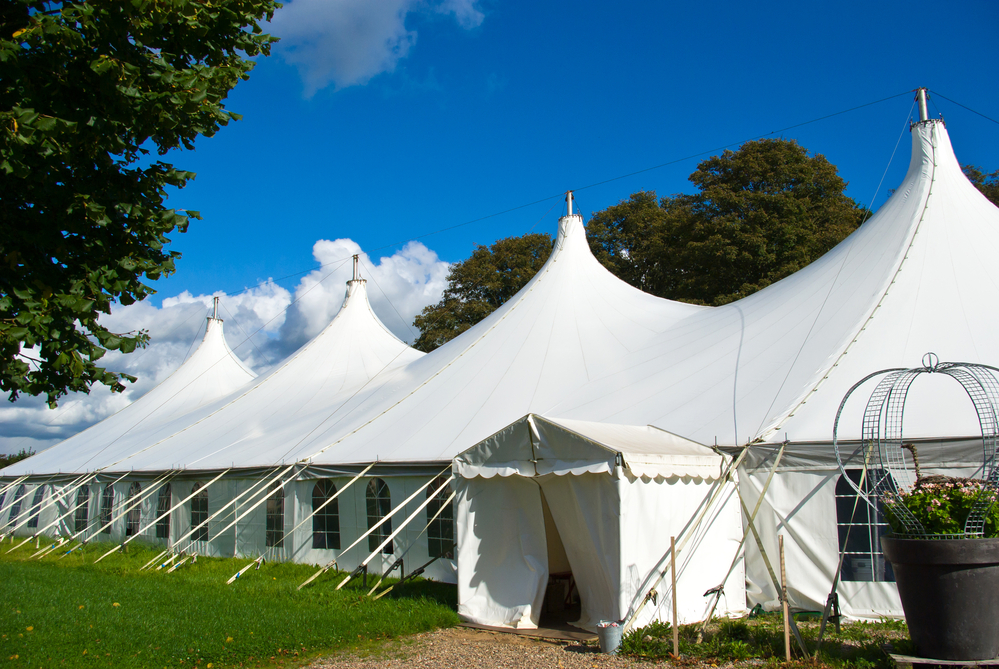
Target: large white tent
<point>918,277</point>
<point>545,497</point>
<point>578,344</point>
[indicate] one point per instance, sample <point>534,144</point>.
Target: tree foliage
<point>762,213</point>
<point>479,284</point>
<point>988,184</point>
<point>88,89</point>
<point>7,459</point>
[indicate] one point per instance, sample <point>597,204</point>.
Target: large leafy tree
<point>988,184</point>
<point>89,91</point>
<point>762,213</point>
<point>479,284</point>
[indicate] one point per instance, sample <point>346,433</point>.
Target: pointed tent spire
<point>568,202</point>
<point>215,308</point>
<point>357,275</point>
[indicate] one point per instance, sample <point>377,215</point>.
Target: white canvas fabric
<point>613,526</point>
<point>259,423</point>
<point>212,371</point>
<point>917,277</point>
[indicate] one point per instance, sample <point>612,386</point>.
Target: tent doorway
<point>561,602</point>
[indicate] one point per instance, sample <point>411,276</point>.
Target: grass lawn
<point>71,612</point>
<point>859,645</point>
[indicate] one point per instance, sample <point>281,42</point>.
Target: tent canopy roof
<point>537,445</point>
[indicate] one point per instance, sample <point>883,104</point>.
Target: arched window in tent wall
<point>82,515</point>
<point>15,507</point>
<point>107,509</point>
<point>133,510</point>
<point>325,519</point>
<point>275,517</point>
<point>162,517</point>
<point>379,502</point>
<point>199,513</point>
<point>440,531</point>
<point>860,529</point>
<point>36,507</point>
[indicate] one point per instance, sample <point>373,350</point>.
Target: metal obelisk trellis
<point>884,452</point>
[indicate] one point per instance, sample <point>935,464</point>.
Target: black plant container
<point>950,594</point>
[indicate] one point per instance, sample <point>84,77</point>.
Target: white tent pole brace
<point>72,510</point>
<point>322,506</point>
<point>413,542</point>
<point>161,516</point>
<point>406,522</point>
<point>55,498</point>
<point>332,562</point>
<point>172,558</point>
<point>174,507</point>
<point>713,496</point>
<point>179,564</point>
<point>8,488</point>
<point>742,542</point>
<point>72,537</point>
<point>153,561</point>
<point>128,506</point>
<point>263,499</point>
<point>234,502</point>
<point>48,549</point>
<point>384,520</point>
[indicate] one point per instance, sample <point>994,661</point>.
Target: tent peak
<point>215,310</point>
<point>922,95</point>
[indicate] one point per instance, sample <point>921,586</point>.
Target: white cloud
<point>347,42</point>
<point>275,320</point>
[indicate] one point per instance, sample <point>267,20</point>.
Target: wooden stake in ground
<point>783,597</point>
<point>672,569</point>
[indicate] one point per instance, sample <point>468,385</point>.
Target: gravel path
<point>461,647</point>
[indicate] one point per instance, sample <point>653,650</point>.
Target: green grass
<point>859,645</point>
<point>74,613</point>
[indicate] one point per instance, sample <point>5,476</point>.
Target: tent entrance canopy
<point>615,494</point>
<point>536,446</point>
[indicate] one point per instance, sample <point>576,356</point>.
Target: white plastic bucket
<point>609,633</point>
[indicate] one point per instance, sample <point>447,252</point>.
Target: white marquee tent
<point>548,497</point>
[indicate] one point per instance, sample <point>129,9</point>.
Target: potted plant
<point>948,580</point>
<point>944,540</point>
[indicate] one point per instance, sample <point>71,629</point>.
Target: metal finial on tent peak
<point>922,97</point>
<point>357,275</point>
<point>568,202</point>
<point>931,361</point>
<point>215,308</point>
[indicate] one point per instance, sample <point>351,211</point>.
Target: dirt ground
<point>461,647</point>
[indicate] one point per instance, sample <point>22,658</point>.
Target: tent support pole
<point>712,497</point>
<point>128,506</point>
<point>413,543</point>
<point>316,510</point>
<point>371,529</point>
<point>832,601</point>
<point>71,511</point>
<point>413,574</point>
<point>773,578</point>
<point>742,542</point>
<point>234,502</point>
<point>55,498</point>
<point>164,514</point>
<point>384,520</point>
<point>402,526</point>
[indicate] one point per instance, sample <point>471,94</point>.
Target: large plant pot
<point>950,594</point>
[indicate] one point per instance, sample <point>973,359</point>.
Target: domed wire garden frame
<point>884,460</point>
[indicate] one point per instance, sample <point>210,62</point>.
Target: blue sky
<point>524,100</point>
<point>375,123</point>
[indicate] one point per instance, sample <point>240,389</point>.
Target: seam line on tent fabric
<point>534,281</point>
<point>884,294</point>
<point>829,292</point>
<point>180,390</point>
